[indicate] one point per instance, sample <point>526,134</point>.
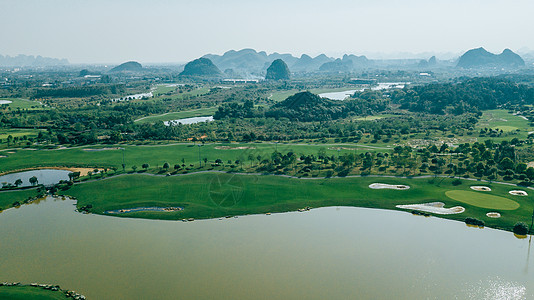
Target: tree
<point>33,180</point>
<point>134,168</point>
<point>520,228</point>
<point>18,182</point>
<point>166,166</point>
<point>145,166</point>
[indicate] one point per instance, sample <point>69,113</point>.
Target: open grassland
<point>202,112</point>
<point>157,155</point>
<point>212,195</point>
<point>17,103</point>
<point>29,293</point>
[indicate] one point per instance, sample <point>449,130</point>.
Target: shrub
<point>475,222</point>
<point>456,182</point>
<point>520,228</point>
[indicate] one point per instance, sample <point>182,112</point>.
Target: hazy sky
<point>113,31</point>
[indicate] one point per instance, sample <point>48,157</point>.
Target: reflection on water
<point>327,253</point>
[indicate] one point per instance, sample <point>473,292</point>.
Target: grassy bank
<point>8,197</point>
<point>29,293</point>
<point>213,195</point>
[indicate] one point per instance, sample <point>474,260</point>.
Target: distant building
<point>234,81</point>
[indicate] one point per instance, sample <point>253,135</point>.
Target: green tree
<point>34,180</point>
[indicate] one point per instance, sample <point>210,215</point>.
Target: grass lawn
<point>29,293</point>
<point>375,117</point>
<point>178,115</point>
<point>483,199</point>
<point>212,195</point>
<point>155,155</point>
<point>8,197</point>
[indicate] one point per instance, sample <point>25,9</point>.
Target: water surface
<point>44,176</point>
<point>328,253</point>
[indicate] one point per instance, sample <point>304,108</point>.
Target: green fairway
<point>213,195</point>
<point>375,117</point>
<point>503,120</point>
<point>4,133</point>
<point>29,293</point>
<point>155,155</point>
<point>178,115</point>
<point>483,199</point>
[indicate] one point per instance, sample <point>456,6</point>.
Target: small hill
<point>307,107</point>
<point>480,58</point>
<point>203,67</point>
<point>130,66</point>
<point>278,70</point>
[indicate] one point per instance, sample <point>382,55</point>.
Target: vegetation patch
<point>483,200</point>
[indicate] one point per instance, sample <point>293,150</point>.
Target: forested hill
<point>306,106</point>
<point>471,95</point>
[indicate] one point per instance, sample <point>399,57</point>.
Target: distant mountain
<point>130,66</point>
<point>249,61</point>
<point>31,61</point>
<point>479,58</point>
<point>203,67</point>
<point>278,70</point>
<point>431,62</point>
<point>346,64</point>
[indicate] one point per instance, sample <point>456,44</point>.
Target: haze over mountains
<point>479,57</point>
<point>30,61</point>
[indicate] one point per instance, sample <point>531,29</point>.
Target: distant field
<point>502,120</point>
<point>178,115</point>
<point>281,96</point>
<point>4,133</point>
<point>23,104</point>
<point>375,117</point>
<point>178,96</point>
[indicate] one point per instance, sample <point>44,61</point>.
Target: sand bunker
<point>493,215</point>
<point>102,149</point>
<point>434,207</point>
<point>481,188</point>
<point>2,156</point>
<point>379,186</point>
<point>233,148</point>
<point>129,210</point>
<point>518,193</point>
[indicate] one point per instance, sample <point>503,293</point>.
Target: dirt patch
<point>233,148</point>
<point>518,193</point>
<point>102,149</point>
<point>481,188</point>
<point>379,186</point>
<point>434,207</point>
<point>493,215</point>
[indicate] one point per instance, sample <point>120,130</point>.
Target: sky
<point>165,31</point>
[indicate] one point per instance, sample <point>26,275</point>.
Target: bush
<point>456,182</point>
<point>520,228</point>
<point>475,222</point>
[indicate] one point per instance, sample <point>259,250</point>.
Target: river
<point>327,253</point>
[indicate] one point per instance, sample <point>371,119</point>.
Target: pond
<point>192,120</point>
<point>327,253</point>
<point>44,176</point>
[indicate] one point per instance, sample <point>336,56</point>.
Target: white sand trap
<point>379,186</point>
<point>493,215</point>
<point>434,207</point>
<point>518,193</point>
<point>481,188</point>
<point>101,149</point>
<point>2,156</point>
<point>233,148</point>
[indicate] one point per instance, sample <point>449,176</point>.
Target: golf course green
<point>482,199</point>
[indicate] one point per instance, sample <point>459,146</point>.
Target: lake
<point>345,94</point>
<point>44,176</point>
<point>192,120</point>
<point>327,253</point>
